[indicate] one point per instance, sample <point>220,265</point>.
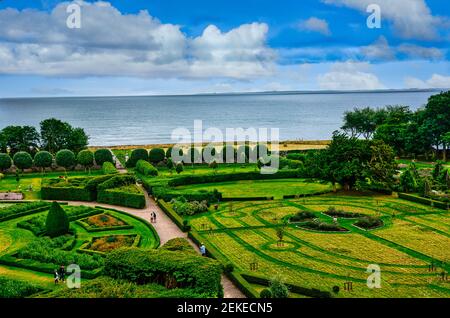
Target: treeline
<point>53,136</point>
<point>425,132</point>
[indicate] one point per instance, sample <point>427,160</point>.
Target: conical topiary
<point>57,222</point>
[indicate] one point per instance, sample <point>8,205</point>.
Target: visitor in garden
<point>62,273</point>
<point>154,217</point>
<point>56,275</point>
<point>203,249</point>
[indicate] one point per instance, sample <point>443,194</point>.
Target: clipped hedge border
<point>306,195</point>
<point>67,193</point>
<point>227,199</point>
<point>83,248</point>
<point>167,194</point>
<point>92,229</point>
<point>25,213</point>
<point>10,260</point>
<point>149,226</point>
<point>177,219</point>
<point>115,197</point>
<point>429,202</point>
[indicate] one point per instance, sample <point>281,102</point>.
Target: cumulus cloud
<point>379,50</point>
<point>435,81</point>
<point>349,76</point>
<point>314,24</point>
<point>416,51</point>
<point>410,18</point>
<point>111,43</point>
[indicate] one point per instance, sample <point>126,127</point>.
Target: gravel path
<point>167,230</point>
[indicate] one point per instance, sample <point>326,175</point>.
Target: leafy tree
<point>20,138</point>
<point>408,182</point>
<point>136,155</point>
<point>156,155</point>
<point>103,155</point>
<point>85,158</point>
<point>22,160</point>
<point>2,142</point>
<point>78,140</point>
<point>57,222</point>
<point>179,168</point>
<point>43,159</point>
<point>65,158</point>
<point>278,288</point>
<point>360,122</point>
<point>381,166</point>
<point>280,233</point>
<point>57,135</point>
<point>170,165</point>
<point>438,168</point>
<point>5,162</point>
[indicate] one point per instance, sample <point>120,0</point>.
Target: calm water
<point>146,120</point>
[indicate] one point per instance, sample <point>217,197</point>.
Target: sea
<point>143,120</point>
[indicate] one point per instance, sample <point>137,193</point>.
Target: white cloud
<point>415,51</point>
<point>379,50</point>
<point>110,43</point>
<point>349,76</point>
<point>435,81</point>
<point>315,25</point>
<point>410,18</point>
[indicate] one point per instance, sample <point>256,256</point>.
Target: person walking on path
<point>154,216</point>
<point>56,276</point>
<point>203,249</point>
<point>62,273</point>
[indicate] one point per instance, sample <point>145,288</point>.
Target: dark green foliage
<point>179,167</point>
<point>244,150</point>
<point>265,294</point>
<point>336,289</point>
<point>156,155</point>
<point>408,182</point>
<point>21,209</point>
<point>170,269</point>
<point>23,160</point>
<point>302,216</point>
<point>189,208</point>
<point>122,196</point>
<point>43,159</point>
<point>171,149</point>
<point>179,244</point>
<point>103,155</point>
<point>278,288</point>
<point>146,168</point>
<point>117,181</point>
<point>109,168</point>
<point>57,222</point>
<point>369,222</point>
<point>210,154</point>
<point>296,156</point>
<point>65,158</point>
<point>332,211</point>
<point>5,161</point>
<point>11,288</point>
<point>85,158</point>
<point>19,138</point>
<point>323,227</point>
<point>74,189</point>
<point>136,155</point>
<point>57,135</point>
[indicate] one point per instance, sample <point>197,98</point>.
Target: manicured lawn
<point>245,233</point>
<point>262,188</point>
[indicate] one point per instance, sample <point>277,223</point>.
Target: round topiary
<point>228,268</point>
<point>103,155</point>
<point>136,155</point>
<point>65,158</point>
<point>171,150</point>
<point>85,158</point>
<point>5,161</point>
<point>265,294</point>
<point>23,160</point>
<point>336,289</point>
<point>179,168</point>
<point>57,222</point>
<point>43,159</point>
<point>156,155</point>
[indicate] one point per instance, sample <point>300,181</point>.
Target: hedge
<point>296,196</point>
<point>146,168</point>
<point>421,200</point>
<point>117,181</point>
<point>227,199</point>
<point>109,168</point>
<point>311,292</point>
<point>121,198</point>
<point>19,210</point>
<point>171,269</point>
<point>178,220</point>
<point>136,155</point>
<point>67,194</point>
<point>167,194</point>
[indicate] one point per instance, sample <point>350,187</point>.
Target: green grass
<point>261,188</point>
<point>419,164</point>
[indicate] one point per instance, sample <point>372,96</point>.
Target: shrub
<point>156,155</point>
<point>85,158</point>
<point>129,196</point>
<point>17,210</point>
<point>179,168</point>
<point>336,289</point>
<point>171,149</point>
<point>332,211</point>
<point>209,154</point>
<point>57,222</point>
<point>369,222</point>
<point>11,288</point>
<point>242,151</point>
<point>146,168</point>
<point>296,156</point>
<point>265,293</point>
<point>179,244</point>
<point>5,161</point>
<point>170,165</point>
<point>117,181</point>
<point>171,269</point>
<point>278,288</point>
<point>65,158</point>
<point>23,160</point>
<point>72,189</point>
<point>136,155</point>
<point>301,216</point>
<point>189,208</point>
<point>228,268</point>
<point>43,159</point>
<point>108,168</point>
<point>323,226</point>
<point>103,155</point>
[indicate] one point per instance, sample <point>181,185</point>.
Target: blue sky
<point>176,47</point>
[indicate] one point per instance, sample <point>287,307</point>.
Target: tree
<point>43,159</point>
<point>3,145</point>
<point>278,288</point>
<point>156,155</point>
<point>136,155</point>
<point>22,160</point>
<point>78,140</point>
<point>179,168</point>
<point>170,165</point>
<point>242,151</point>
<point>438,168</point>
<point>103,155</point>
<point>21,138</point>
<point>173,150</point>
<point>280,233</point>
<point>360,122</point>
<point>408,182</point>
<point>65,158</point>
<point>5,162</point>
<point>57,135</point>
<point>85,158</point>
<point>57,222</point>
<point>381,166</point>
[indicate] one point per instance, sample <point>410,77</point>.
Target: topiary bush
<point>108,168</point>
<point>57,222</point>
<point>171,149</point>
<point>179,168</point>
<point>65,158</point>
<point>23,160</point>
<point>278,288</point>
<point>103,155</point>
<point>43,159</point>
<point>5,162</point>
<point>156,155</point>
<point>146,168</point>
<point>265,294</point>
<point>136,155</point>
<point>85,158</point>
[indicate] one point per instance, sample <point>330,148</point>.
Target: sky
<point>151,47</point>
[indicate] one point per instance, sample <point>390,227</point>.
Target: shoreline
<point>284,145</point>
